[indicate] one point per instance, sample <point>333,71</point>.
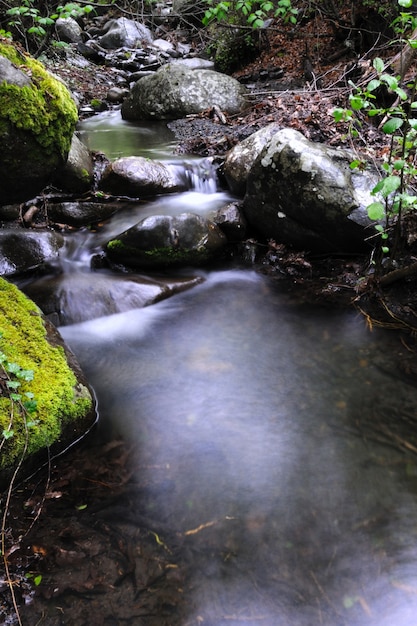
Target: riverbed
<point>231,479</point>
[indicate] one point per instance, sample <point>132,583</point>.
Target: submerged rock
<point>163,241</point>
<point>73,298</point>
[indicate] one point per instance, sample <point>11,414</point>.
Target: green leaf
<point>37,580</point>
<point>392,125</point>
<point>398,165</point>
<point>373,84</point>
<point>357,103</point>
<point>387,185</point>
<point>13,384</point>
<point>406,4</point>
<point>379,65</point>
<point>390,81</point>
<point>412,43</point>
<point>401,93</point>
<point>376,211</point>
<point>7,434</point>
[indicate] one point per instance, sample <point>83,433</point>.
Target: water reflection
<point>110,134</point>
<point>240,405</point>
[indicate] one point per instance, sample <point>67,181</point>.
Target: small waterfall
<point>201,175</point>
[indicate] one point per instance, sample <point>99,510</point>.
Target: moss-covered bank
<point>64,403</point>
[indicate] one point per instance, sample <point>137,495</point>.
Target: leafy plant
<point>394,193</point>
<point>34,28</point>
<point>22,403</point>
<point>254,12</point>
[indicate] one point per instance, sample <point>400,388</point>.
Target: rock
<point>175,91</point>
<point>231,221</point>
<point>305,194</point>
<point>138,177</point>
<point>195,63</point>
<point>37,121</point>
<point>71,298</point>
<point>68,30</point>
<point>77,174</point>
<point>115,95</point>
<point>163,241</point>
<point>241,157</point>
<point>122,32</point>
<point>161,45</point>
<point>64,404</point>
<point>80,214</point>
<point>22,251</point>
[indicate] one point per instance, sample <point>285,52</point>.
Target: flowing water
<point>243,407</point>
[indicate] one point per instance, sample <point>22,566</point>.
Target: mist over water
<point>241,404</point>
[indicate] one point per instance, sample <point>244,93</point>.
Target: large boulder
<point>175,91</point>
<point>306,195</point>
<point>165,241</point>
<point>61,407</point>
<point>242,156</point>
<point>37,121</point>
<point>138,177</point>
<point>123,32</point>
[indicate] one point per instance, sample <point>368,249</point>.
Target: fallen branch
<point>402,272</point>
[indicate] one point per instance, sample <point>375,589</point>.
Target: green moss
<point>157,256</point>
<point>115,244</point>
<point>60,399</point>
<point>45,108</point>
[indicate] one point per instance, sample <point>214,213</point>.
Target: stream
<point>251,494</point>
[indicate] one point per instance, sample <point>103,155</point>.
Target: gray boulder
<point>305,194</point>
<point>22,251</point>
<point>163,241</point>
<point>175,91</point>
<point>139,177</point>
<point>124,33</point>
<point>241,157</point>
<point>68,30</point>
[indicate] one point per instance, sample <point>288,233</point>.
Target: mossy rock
<point>64,404</point>
<point>37,120</point>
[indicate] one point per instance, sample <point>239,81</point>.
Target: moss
<point>45,108</point>
<point>163,256</point>
<point>60,399</point>
<point>115,244</point>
